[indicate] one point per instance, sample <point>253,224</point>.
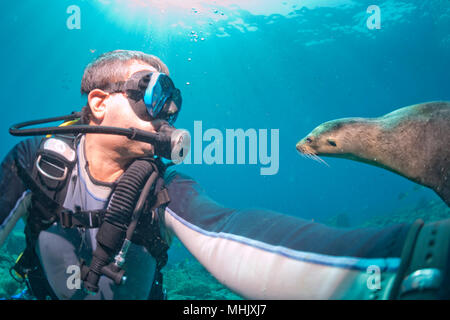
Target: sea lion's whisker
<point>304,153</point>
<point>315,157</point>
<point>311,155</point>
<point>318,159</point>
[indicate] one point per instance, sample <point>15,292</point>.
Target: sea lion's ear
<point>331,142</point>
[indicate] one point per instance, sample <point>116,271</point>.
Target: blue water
<point>289,65</point>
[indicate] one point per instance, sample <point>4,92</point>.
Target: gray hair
<point>112,67</point>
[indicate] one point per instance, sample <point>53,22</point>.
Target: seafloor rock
<point>16,242</point>
<point>190,280</point>
<point>8,255</point>
<point>427,211</point>
<point>340,220</point>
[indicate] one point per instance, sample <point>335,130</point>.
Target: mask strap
<point>115,87</point>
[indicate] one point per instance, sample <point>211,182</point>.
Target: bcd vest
<point>49,181</point>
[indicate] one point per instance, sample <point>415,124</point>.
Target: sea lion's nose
<point>304,142</point>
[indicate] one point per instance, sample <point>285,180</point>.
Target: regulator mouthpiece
<point>178,144</point>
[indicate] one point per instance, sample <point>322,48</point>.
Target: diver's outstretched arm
<point>262,254</point>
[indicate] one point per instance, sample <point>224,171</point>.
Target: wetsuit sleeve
<point>262,254</point>
<point>11,186</point>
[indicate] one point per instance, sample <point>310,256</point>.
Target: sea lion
<point>413,141</point>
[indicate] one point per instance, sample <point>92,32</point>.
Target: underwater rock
<point>340,220</point>
<point>427,211</point>
<point>8,255</point>
<point>16,242</point>
<point>189,280</point>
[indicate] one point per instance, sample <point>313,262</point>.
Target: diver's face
<point>115,110</point>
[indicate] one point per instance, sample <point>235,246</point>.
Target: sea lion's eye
<point>331,142</point>
<point>309,140</point>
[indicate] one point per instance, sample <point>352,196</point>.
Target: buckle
<point>90,219</point>
<point>65,218</point>
<point>64,171</point>
<point>93,221</point>
<point>423,279</point>
<point>85,219</point>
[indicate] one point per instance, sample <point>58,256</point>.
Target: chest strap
<point>90,219</point>
<point>94,218</point>
<point>85,219</point>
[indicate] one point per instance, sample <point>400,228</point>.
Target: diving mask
<point>152,95</point>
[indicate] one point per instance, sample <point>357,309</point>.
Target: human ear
<point>96,100</point>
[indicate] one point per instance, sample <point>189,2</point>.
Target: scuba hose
<point>169,143</point>
<point>122,215</point>
<point>119,259</point>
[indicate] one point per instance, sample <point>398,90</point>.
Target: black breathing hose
<point>161,141</point>
<point>112,232</point>
<point>140,204</point>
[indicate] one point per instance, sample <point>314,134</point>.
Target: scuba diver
<point>100,196</point>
